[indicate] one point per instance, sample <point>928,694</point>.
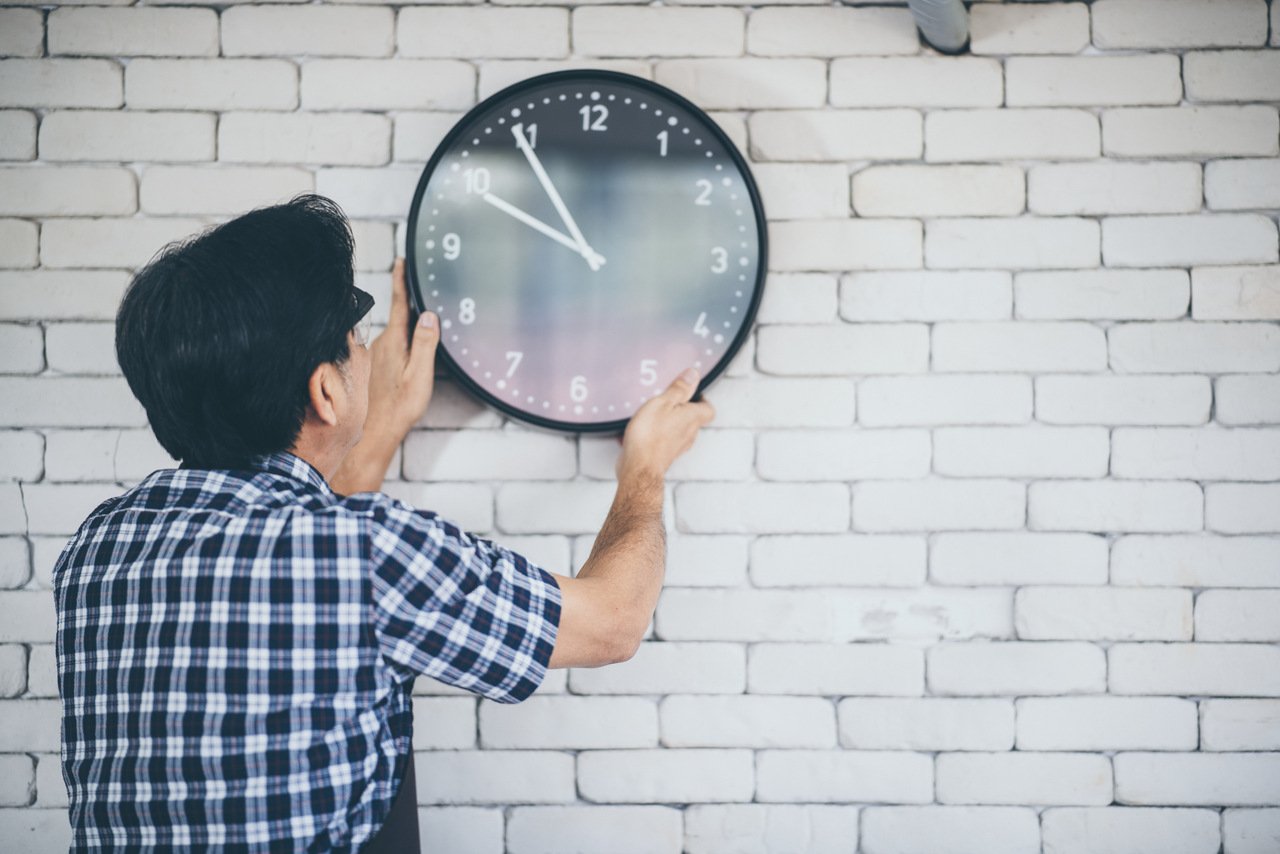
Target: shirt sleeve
<point>459,608</point>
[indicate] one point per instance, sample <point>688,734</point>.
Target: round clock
<point>584,236</point>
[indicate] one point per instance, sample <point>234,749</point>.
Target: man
<point>238,638</point>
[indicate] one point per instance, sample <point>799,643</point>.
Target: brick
<point>307,138</point>
<point>978,558</point>
<point>13,668</point>
<point>56,401</point>
<point>51,791</point>
<point>82,348</point>
<point>1247,400</point>
<point>53,83</point>
<point>938,505</point>
<point>1242,184</point>
<point>934,191</point>
<point>1114,188</point>
<point>21,349</point>
<point>1023,778</point>
<point>28,614</point>
<point>1207,669</point>
<point>21,32</point>
<point>1196,561</point>
<point>843,455</point>
<point>467,505</point>
<point>936,399</point>
<point>669,668</point>
<point>764,402</point>
<point>983,668</point>
<point>1037,347</point>
<point>831,615</point>
<point>17,135</point>
<point>711,508</point>
<point>1106,723</point>
<point>1237,615</point>
<point>18,242</point>
<point>1117,400</point>
<point>706,561</point>
<point>926,295</point>
<point>912,81</point>
<point>666,775</point>
<point>1002,830</point>
<point>224,190</point>
<point>1132,506</point>
<point>1102,613</point>
<point>652,31</point>
<point>544,830</point>
<point>136,31</point>
<point>385,192</point>
<point>1184,241</point>
<point>487,455</point>
<point>1089,81</point>
<point>211,84</point>
<point>565,508</point>
<point>308,31</point>
<point>842,349</point>
<point>798,298</point>
<point>1242,508</point>
<point>127,136</point>
<point>803,190</point>
<point>1194,347</point>
<point>709,828</point>
<point>730,84</point>
<point>1178,23</point>
<point>1102,295</point>
<point>417,135</point>
<point>1196,453</point>
<point>109,242</point>
<point>837,560</point>
<point>61,294</point>
<point>1125,828</point>
<point>77,455</point>
<point>1239,724</point>
<point>1232,75</point>
<point>61,508</point>
<point>1037,452</point>
<point>1192,131</point>
<point>826,669</point>
<point>1196,779</point>
<point>29,725</point>
<point>576,723</point>
<point>836,135</point>
<point>1013,243</point>
<point>482,32</point>
<point>930,723</point>
<point>14,518</point>
<point>494,777</point>
<point>387,84</point>
<point>21,453</point>
<point>715,455</point>
<point>1251,830</point>
<point>67,191</point>
<point>839,776</point>
<point>1010,134</point>
<point>1012,28</point>
<point>36,831</point>
<point>501,73</point>
<point>845,244</point>
<point>838,31</point>
<point>746,721</point>
<point>453,723</point>
<point>1235,293</point>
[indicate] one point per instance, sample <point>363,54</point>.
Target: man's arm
<point>608,605</point>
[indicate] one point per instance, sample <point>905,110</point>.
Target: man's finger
<point>683,386</point>
<point>704,411</point>
<point>398,319</point>
<point>422,355</point>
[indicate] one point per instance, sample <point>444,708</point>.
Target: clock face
<point>584,237</point>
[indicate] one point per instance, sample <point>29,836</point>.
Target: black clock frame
<point>602,76</point>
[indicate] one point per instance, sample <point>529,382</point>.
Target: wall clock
<point>585,236</point>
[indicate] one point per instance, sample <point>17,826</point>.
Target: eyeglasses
<point>362,323</point>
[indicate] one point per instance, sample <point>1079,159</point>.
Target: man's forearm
<point>630,550</point>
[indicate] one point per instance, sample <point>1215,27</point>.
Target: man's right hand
<point>663,429</point>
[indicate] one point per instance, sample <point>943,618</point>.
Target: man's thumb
<point>683,386</point>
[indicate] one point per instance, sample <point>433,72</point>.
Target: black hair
<point>220,332</point>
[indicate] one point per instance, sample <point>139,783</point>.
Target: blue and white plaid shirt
<point>237,649</point>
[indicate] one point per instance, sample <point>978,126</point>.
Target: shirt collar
<point>293,466</point>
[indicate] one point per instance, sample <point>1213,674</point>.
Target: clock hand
<point>539,225</point>
<point>593,257</point>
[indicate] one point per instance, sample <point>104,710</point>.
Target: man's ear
<point>325,387</point>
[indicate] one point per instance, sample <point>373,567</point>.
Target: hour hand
<point>538,225</point>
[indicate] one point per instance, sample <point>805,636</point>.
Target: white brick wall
<point>982,552</point>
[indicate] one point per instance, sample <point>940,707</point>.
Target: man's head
<point>234,338</point>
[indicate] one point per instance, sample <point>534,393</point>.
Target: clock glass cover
<point>584,236</point>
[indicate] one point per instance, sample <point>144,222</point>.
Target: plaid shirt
<point>237,649</point>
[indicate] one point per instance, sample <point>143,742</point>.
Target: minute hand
<point>593,258</point>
